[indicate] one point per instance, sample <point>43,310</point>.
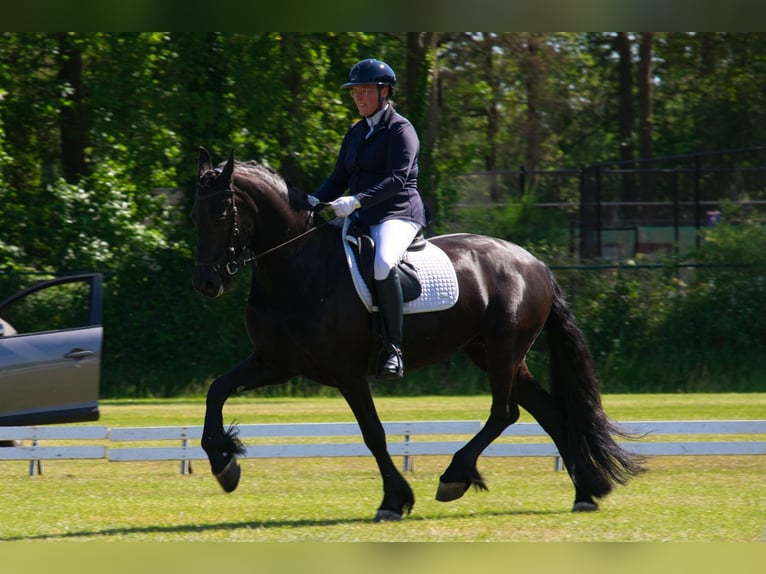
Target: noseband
<point>233,262</point>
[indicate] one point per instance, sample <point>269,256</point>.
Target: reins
<point>235,261</point>
<point>284,244</point>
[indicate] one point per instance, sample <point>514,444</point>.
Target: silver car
<point>50,352</point>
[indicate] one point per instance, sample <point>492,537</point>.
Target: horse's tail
<point>597,461</point>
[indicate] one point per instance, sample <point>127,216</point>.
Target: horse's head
<point>241,209</point>
<point>218,234</point>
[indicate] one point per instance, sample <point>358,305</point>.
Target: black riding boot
<point>390,310</point>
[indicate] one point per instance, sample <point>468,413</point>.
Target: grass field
<point>679,499</point>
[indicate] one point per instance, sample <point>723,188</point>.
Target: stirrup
<point>391,364</point>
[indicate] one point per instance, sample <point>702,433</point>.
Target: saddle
<point>363,248</point>
<point>428,278</point>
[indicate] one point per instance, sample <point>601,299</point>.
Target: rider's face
<point>366,98</point>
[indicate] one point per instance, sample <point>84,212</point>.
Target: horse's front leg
<point>398,498</point>
<point>222,445</point>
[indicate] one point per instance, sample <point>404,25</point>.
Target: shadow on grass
<point>255,525</point>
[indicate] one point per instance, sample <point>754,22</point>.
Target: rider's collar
<point>373,120</point>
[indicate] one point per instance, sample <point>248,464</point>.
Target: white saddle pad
<point>434,270</point>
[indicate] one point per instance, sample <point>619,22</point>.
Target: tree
<point>74,131</point>
<point>645,132</point>
<point>424,104</point>
<point>626,118</point>
<point>99,135</point>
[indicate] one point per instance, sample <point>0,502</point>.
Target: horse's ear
<point>204,163</point>
<point>228,169</point>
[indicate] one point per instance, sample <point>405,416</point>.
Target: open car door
<point>50,352</point>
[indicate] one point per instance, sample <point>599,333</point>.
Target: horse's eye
<point>222,216</point>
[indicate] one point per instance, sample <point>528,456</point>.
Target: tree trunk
<point>72,123</point>
<point>645,116</point>
<point>291,51</point>
<point>533,78</point>
<point>423,106</point>
<point>493,123</point>
<point>625,121</point>
<point>708,58</point>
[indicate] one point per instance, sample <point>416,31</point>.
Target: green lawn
<point>329,409</point>
<point>679,499</point>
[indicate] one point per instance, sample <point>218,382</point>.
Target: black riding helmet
<point>371,71</point>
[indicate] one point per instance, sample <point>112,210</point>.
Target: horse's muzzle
<point>207,281</point>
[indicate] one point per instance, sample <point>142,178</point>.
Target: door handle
<point>79,354</point>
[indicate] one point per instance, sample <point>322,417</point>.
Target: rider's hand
<point>312,201</point>
<point>345,206</point>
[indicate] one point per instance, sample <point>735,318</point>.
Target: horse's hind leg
<point>462,472</point>
<point>540,404</point>
<point>398,498</point>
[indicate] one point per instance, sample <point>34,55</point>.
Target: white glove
<point>345,206</point>
<point>313,201</point>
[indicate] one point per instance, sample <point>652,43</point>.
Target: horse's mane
<point>272,179</point>
<point>268,175</point>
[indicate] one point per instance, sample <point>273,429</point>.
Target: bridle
<point>234,260</point>
<point>232,264</point>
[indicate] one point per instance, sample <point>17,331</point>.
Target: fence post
<point>598,211</point>
<point>590,212</point>
<point>32,463</point>
<point>407,461</point>
<point>676,217</point>
<point>186,465</point>
<point>697,199</point>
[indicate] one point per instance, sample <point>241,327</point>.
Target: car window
<point>63,306</point>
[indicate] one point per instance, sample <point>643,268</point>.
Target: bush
<point>651,326</point>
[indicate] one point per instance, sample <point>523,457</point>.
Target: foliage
<point>99,133</point>
<point>669,328</point>
<point>734,291</point>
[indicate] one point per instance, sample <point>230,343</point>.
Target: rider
<point>378,164</point>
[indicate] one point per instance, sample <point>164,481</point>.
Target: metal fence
<point>618,209</point>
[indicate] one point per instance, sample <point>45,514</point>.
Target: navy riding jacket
<point>381,171</point>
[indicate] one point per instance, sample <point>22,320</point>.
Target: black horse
<point>303,317</point>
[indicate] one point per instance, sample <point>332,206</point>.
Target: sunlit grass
<point>331,409</point>
<point>679,499</point>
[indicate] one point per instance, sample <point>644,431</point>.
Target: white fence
<point>418,438</point>
<point>36,453</point>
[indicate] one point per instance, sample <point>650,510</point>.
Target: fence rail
<point>417,438</point>
<point>36,453</point>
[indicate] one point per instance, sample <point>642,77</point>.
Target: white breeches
<point>392,237</point>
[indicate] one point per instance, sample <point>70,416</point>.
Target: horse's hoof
<point>448,491</point>
<point>585,506</point>
<point>387,516</point>
<point>228,478</point>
